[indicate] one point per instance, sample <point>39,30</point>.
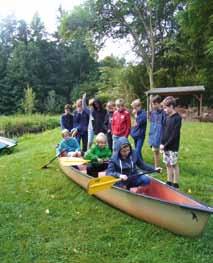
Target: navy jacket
<point>66,121</point>
<point>139,130</point>
<point>171,133</point>
<point>81,121</point>
<point>118,166</point>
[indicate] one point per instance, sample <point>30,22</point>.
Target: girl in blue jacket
<point>157,119</point>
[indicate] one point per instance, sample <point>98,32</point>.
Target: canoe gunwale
<point>205,208</point>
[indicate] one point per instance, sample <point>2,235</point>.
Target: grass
<point>17,125</point>
<point>46,218</point>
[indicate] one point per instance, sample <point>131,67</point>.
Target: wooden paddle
<point>106,182</point>
<point>53,159</point>
<point>71,161</point>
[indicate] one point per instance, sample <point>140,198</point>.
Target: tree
<point>28,103</point>
<point>196,42</point>
<point>147,22</point>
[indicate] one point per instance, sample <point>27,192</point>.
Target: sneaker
<point>169,183</point>
<point>176,185</point>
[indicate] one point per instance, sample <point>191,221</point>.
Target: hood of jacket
<point>121,141</point>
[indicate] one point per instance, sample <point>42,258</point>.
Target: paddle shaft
<point>146,172</point>
<point>53,159</point>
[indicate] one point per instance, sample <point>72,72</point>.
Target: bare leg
<point>169,173</point>
<point>157,158</point>
<point>176,172</point>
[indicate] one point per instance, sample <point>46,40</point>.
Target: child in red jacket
<point>121,122</point>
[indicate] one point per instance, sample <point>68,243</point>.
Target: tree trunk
<point>151,78</point>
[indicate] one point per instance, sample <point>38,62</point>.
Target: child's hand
<point>161,148</point>
<point>123,177</point>
<point>158,169</point>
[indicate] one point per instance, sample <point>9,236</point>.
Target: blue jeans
<point>114,142</point>
<point>134,181</point>
<point>90,138</point>
<point>84,138</point>
<point>138,146</point>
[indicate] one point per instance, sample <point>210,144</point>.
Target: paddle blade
<point>70,161</point>
<point>101,184</point>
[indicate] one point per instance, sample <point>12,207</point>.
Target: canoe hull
<point>6,143</point>
<point>184,221</point>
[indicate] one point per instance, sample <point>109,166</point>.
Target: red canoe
<point>156,203</point>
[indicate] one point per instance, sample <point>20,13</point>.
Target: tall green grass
<point>46,218</point>
<point>17,125</point>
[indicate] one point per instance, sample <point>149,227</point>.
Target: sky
<point>47,10</point>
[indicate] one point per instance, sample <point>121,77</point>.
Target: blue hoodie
<point>69,145</point>
<point>118,166</point>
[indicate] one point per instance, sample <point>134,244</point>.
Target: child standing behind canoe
<point>170,141</point>
<point>124,163</point>
<point>138,131</point>
<point>121,122</point>
<point>110,107</point>
<point>69,144</point>
<point>98,154</point>
<point>157,119</point>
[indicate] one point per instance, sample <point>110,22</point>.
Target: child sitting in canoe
<point>98,154</point>
<point>124,163</point>
<point>69,145</point>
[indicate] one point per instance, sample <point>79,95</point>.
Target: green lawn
<point>46,218</point>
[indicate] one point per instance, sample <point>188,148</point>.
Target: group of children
<point>111,127</point>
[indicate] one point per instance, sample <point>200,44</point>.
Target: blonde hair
<point>119,102</point>
<point>101,137</point>
<point>64,131</point>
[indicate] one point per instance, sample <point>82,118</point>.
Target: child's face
<point>66,135</point>
<point>79,105</point>
<point>110,108</point>
<point>67,111</point>
<point>156,105</point>
<point>136,108</point>
<point>119,107</point>
<point>101,143</point>
<point>124,152</point>
<point>168,109</point>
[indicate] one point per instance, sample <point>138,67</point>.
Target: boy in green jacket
<point>98,154</point>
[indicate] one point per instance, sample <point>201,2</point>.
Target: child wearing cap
<point>69,145</point>
<point>98,154</point>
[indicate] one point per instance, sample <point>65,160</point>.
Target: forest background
<point>40,72</point>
